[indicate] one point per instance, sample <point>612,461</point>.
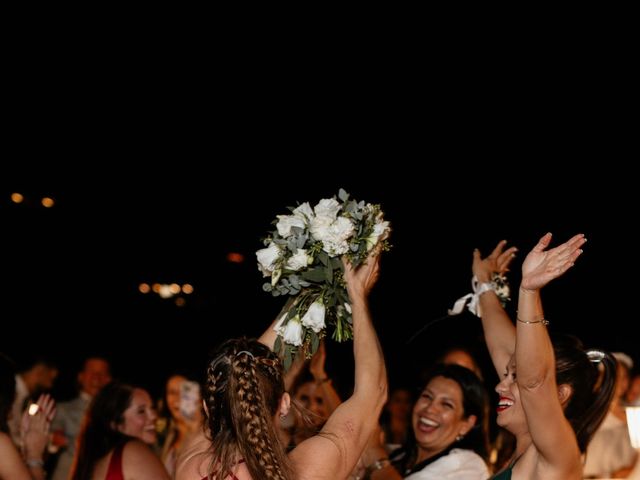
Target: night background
<point>73,271</point>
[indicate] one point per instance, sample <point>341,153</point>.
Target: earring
<point>283,416</point>
<point>459,437</point>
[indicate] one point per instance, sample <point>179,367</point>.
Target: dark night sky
<point>81,262</point>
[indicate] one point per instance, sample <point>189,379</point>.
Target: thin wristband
<point>543,321</point>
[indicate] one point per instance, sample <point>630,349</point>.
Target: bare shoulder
<point>194,458</point>
<point>139,461</point>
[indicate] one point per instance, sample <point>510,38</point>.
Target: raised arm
<point>335,451</point>
<point>535,362</point>
<point>499,332</point>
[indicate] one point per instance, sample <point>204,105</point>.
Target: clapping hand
<point>35,426</point>
<point>541,265</point>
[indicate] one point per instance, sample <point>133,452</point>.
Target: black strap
<point>419,466</point>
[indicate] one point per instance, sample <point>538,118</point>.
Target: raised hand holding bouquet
<point>302,257</point>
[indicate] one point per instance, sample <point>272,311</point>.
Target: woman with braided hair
<point>244,398</point>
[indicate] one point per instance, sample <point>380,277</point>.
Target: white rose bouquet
<point>302,257</point>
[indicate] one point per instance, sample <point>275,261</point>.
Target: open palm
<point>541,265</point>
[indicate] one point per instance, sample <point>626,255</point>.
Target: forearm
<point>370,370</point>
<point>269,336</point>
<point>499,331</point>
<point>534,351</point>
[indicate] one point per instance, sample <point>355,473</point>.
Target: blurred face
<point>140,418</point>
<point>45,376</point>
<point>309,395</point>
<point>438,417</point>
<point>462,358</point>
<point>94,376</point>
<point>173,394</point>
<point>622,381</point>
<point>399,405</point>
<point>510,413</point>
<point>633,393</point>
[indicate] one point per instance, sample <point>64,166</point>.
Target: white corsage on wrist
<point>498,284</point>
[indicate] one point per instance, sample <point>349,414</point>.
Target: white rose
<point>319,227</point>
<point>335,240</point>
<point>327,207</point>
<point>292,332</point>
<point>314,318</point>
<point>299,260</point>
<point>304,211</point>
<point>268,258</point>
<point>285,222</point>
<point>380,232</point>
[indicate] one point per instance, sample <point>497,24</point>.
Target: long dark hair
<point>475,401</point>
<point>592,378</point>
<point>99,434</point>
<point>243,389</point>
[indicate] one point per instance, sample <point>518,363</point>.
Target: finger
<point>543,242</point>
<point>506,257</point>
<point>476,254</point>
<point>498,250</point>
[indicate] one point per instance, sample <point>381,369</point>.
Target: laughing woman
<point>553,405</point>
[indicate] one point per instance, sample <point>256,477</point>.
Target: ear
<point>564,394</point>
<point>285,405</point>
<point>467,425</point>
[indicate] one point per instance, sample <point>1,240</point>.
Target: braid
<point>243,389</point>
<point>250,417</point>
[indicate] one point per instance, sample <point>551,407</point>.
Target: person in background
<point>448,441</point>
<point>632,395</point>
<point>610,453</point>
<point>95,374</point>
<point>184,403</point>
<point>37,376</point>
<point>503,445</point>
<point>548,395</point>
<point>395,420</point>
<point>463,357</point>
<point>313,397</point>
<point>114,442</point>
<point>35,422</point>
<point>244,396</point>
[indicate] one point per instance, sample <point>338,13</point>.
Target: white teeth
<point>429,423</point>
<point>505,403</point>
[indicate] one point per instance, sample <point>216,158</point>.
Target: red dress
<point>115,464</point>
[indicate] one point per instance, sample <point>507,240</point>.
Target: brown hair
<point>243,389</point>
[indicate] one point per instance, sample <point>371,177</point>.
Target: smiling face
<point>510,413</point>
<point>438,417</point>
<point>140,417</point>
<point>310,396</point>
<point>94,376</point>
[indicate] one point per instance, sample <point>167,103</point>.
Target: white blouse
<point>460,464</point>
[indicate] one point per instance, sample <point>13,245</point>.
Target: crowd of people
<point>559,415</point>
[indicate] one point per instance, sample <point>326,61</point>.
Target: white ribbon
<point>473,299</point>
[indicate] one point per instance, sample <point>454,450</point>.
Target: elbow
<point>533,381</point>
